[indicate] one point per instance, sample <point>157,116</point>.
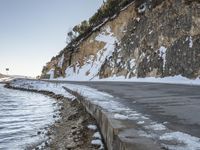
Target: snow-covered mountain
<point>153,39</point>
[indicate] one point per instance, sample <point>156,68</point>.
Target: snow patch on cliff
<point>162,53</point>
<point>92,64</point>
<point>60,63</point>
<point>51,73</point>
<point>191,42</point>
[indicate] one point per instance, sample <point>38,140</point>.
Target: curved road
<point>179,105</point>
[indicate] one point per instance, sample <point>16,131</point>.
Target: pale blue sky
<point>32,31</point>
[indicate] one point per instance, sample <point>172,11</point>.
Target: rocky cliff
<point>147,38</point>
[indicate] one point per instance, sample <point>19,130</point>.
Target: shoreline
<point>71,130</point>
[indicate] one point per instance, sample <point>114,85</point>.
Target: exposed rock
<point>153,38</point>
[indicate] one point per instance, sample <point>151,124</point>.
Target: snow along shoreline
<point>64,99</point>
<point>149,128</point>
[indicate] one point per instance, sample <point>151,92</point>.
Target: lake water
<point>22,115</point>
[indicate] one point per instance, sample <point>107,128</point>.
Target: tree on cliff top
<point>107,10</point>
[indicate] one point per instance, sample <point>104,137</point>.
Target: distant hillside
<point>2,76</point>
<point>136,38</point>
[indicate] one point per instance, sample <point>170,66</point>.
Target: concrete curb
<point>117,134</point>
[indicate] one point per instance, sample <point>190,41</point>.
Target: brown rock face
<point>155,38</point>
<point>172,25</point>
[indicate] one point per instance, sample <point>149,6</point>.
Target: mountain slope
<point>2,76</point>
<point>146,39</point>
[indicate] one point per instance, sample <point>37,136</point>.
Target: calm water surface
<point>22,115</point>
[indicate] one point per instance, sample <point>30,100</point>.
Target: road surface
<point>179,105</point>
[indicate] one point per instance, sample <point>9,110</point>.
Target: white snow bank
<point>170,80</point>
<point>152,129</point>
<point>187,142</point>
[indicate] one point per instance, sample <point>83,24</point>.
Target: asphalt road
<point>179,105</point>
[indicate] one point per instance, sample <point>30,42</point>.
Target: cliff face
<point>149,38</point>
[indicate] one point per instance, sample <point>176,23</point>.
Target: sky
<point>33,31</point>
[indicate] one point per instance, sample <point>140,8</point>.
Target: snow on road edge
<point>151,129</point>
<point>155,130</point>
